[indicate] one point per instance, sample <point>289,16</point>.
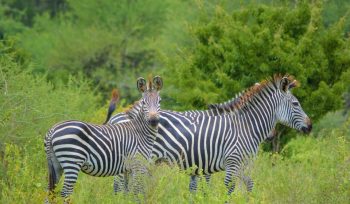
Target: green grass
<point>308,170</point>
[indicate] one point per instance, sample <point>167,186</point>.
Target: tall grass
<point>310,169</point>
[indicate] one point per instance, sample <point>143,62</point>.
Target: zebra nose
<point>153,119</point>
<point>153,122</point>
<point>309,126</point>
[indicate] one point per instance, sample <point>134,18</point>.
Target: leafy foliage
<point>110,42</point>
<point>32,105</point>
<point>29,107</point>
<point>234,51</point>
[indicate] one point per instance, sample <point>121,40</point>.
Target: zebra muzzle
<point>153,121</point>
<point>309,126</point>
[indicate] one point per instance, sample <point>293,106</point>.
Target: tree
<point>110,42</point>
<point>235,50</point>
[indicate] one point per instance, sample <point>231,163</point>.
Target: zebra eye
<point>295,103</point>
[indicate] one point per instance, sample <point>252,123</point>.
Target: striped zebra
<point>104,150</point>
<point>226,142</point>
<point>172,141</point>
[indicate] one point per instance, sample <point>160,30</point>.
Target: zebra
<point>103,150</point>
<point>225,142</point>
<point>168,117</point>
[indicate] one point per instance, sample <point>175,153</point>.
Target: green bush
<point>308,170</point>
<point>110,42</point>
<point>234,50</point>
<point>29,107</point>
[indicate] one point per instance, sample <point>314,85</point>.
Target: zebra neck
<point>145,144</point>
<point>260,118</point>
<point>146,135</point>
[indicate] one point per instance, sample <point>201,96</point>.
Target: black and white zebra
<point>173,143</point>
<point>225,142</point>
<point>103,150</point>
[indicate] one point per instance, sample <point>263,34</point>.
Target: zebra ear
<point>158,83</point>
<point>294,83</point>
<point>284,84</point>
<point>115,95</point>
<point>141,84</point>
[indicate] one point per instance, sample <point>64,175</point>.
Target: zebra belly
<point>93,168</point>
<point>208,168</point>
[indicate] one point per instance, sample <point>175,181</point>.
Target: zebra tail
<point>51,159</point>
<point>112,104</point>
<point>52,176</point>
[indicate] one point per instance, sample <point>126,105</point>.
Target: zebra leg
<point>70,178</point>
<point>119,183</point>
<point>207,179</point>
<point>125,183</point>
<point>137,185</point>
<point>193,183</point>
<point>248,182</point>
<point>231,173</point>
<point>230,181</point>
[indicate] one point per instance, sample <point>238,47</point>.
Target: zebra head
<point>150,102</point>
<point>290,112</point>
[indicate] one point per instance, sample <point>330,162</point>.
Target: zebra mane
<point>244,98</point>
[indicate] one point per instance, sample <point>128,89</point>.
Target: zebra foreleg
<point>137,185</point>
<point>119,184</point>
<point>193,183</point>
<point>207,178</point>
<point>230,182</point>
<point>126,182</point>
<point>231,177</point>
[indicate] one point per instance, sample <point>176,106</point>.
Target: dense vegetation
<point>60,59</point>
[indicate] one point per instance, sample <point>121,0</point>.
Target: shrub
<point>29,107</point>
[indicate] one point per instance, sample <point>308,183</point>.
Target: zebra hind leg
<point>70,178</point>
<point>248,182</point>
